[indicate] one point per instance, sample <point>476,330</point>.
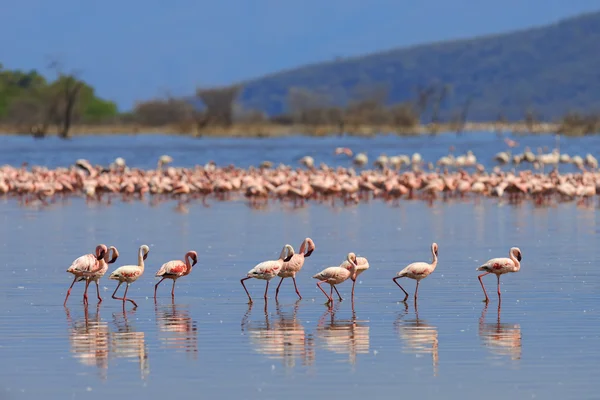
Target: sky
<point>133,50</point>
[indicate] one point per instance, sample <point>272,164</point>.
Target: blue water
<point>143,150</point>
<point>544,342</point>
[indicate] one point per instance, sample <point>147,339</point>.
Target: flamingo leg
<point>338,293</point>
<point>296,287</point>
<point>278,286</point>
<point>173,290</point>
<point>353,284</point>
<point>405,292</point>
<point>417,290</point>
<point>248,293</point>
<point>125,296</point>
<point>499,295</point>
<point>266,290</point>
<point>115,292</point>
<point>98,292</point>
<point>325,293</point>
<point>487,299</point>
<point>156,287</point>
<point>69,291</point>
<point>85,297</point>
<point>331,294</point>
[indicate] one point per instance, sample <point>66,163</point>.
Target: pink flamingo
<point>95,276</point>
<point>418,271</point>
<point>268,270</point>
<point>129,274</point>
<point>362,264</point>
<point>176,269</point>
<point>335,276</point>
<point>500,266</point>
<point>84,266</point>
<point>292,267</point>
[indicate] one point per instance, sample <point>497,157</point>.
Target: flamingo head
<point>144,249</point>
<point>194,257</point>
<point>517,253</point>
<point>434,248</point>
<point>311,247</point>
<point>115,254</point>
<point>101,250</point>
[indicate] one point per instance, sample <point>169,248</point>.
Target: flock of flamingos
<point>92,267</point>
<point>391,179</point>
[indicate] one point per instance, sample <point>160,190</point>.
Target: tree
<point>219,102</point>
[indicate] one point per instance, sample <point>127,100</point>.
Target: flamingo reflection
<point>343,336</point>
<point>126,342</point>
<point>418,336</point>
<point>177,330</point>
<point>89,340</point>
<point>284,338</point>
<point>501,339</point>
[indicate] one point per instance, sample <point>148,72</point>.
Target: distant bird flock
<point>392,179</point>
<point>92,267</point>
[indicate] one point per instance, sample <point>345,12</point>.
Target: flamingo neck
<point>515,261</point>
<point>141,259</point>
<point>188,263</point>
<point>435,259</point>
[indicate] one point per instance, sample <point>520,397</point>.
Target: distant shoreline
<point>274,130</point>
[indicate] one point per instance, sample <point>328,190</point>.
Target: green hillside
<point>551,69</point>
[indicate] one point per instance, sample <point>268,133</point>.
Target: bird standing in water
<point>268,270</point>
<point>129,274</point>
<point>176,269</point>
<point>500,266</point>
<point>91,267</point>
<point>292,267</point>
<point>418,271</point>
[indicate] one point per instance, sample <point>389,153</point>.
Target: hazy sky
<point>136,49</point>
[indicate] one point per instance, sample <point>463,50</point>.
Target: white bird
<point>418,271</point>
<point>335,276</point>
<point>129,274</point>
<point>500,266</point>
<point>268,270</point>
<point>362,264</point>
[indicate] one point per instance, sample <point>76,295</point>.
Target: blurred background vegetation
<point>533,77</point>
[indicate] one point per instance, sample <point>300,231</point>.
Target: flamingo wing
<point>415,269</point>
<point>83,264</point>
<point>265,268</point>
<point>496,265</point>
<point>175,267</point>
<point>127,272</point>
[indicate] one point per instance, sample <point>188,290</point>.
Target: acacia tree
<point>219,104</point>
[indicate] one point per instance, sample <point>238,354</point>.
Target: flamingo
<point>292,267</point>
<point>129,274</point>
<point>336,275</point>
<point>500,266</point>
<point>268,270</point>
<point>95,276</point>
<point>362,264</point>
<point>84,266</point>
<point>418,271</point>
<point>176,269</point>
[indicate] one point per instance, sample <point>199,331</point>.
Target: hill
<point>551,69</point>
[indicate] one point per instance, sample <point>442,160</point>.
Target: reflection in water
<point>283,338</point>
<point>419,337</point>
<point>177,330</point>
<point>343,336</point>
<point>89,339</point>
<point>501,339</point>
<point>129,343</point>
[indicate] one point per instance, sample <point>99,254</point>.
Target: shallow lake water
<point>544,341</point>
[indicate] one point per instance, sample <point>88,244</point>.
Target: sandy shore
<point>273,130</point>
